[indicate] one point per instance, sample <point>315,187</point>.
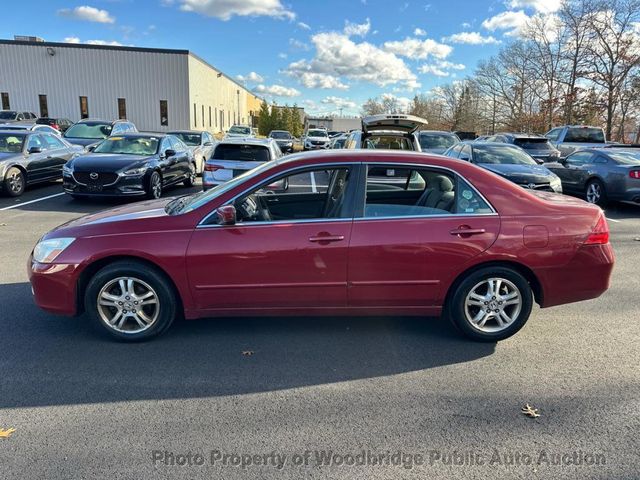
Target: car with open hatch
<point>454,239</point>
<point>387,132</point>
<point>130,165</point>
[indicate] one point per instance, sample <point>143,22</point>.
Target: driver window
<point>35,141</point>
<point>310,195</point>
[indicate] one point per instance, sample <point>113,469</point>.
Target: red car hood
<point>133,211</point>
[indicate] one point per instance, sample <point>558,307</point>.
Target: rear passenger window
<point>405,192</point>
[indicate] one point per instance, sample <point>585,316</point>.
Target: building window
<point>122,109</point>
<point>202,116</point>
<point>44,109</point>
<point>209,117</point>
<point>5,101</point>
<point>221,119</point>
<point>164,113</point>
<point>216,116</point>
<point>84,107</point>
<point>195,116</point>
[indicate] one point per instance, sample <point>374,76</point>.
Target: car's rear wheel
<point>130,301</point>
<point>491,304</point>
<point>154,189</point>
<point>14,182</point>
<point>596,193</point>
<point>191,177</point>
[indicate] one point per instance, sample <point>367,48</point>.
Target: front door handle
<point>465,230</point>
<point>323,239</point>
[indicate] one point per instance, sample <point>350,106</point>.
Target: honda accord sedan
<point>453,239</point>
<point>131,165</point>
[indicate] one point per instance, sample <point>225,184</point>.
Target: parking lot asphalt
<point>393,388</point>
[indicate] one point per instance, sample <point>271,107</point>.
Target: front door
<point>288,248</point>
<point>405,246</point>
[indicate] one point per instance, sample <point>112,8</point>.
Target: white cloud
<point>465,25</point>
<point>304,26</point>
<point>282,55</point>
<point>277,90</point>
<point>419,32</point>
<point>71,40</point>
<point>471,38</point>
<point>360,29</point>
<point>338,56</point>
<point>417,49</point>
<point>339,102</point>
<point>541,6</point>
<point>511,21</point>
<point>88,14</point>
<point>440,68</point>
<point>225,9</point>
<point>252,77</point>
<point>298,45</point>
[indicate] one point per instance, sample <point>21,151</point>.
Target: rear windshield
<point>96,131</point>
<point>191,139</point>
<point>501,154</point>
<point>439,140</point>
<point>7,115</point>
<point>11,143</point>
<point>280,135</point>
<point>243,153</point>
<point>584,135</point>
<point>533,143</point>
<point>240,130</point>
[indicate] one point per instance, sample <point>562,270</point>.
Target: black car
<point>60,124</point>
<point>89,132</point>
<point>508,161</point>
<point>537,146</point>
<point>284,139</point>
<point>131,165</point>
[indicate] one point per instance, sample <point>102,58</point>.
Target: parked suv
<point>537,146</point>
<point>387,132</point>
<point>284,139</point>
<point>570,138</point>
<point>87,132</point>
<point>315,139</point>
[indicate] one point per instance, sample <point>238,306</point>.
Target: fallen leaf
<point>247,353</point>
<point>529,411</point>
<point>3,224</point>
<point>6,433</point>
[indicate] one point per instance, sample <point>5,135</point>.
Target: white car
<point>235,156</point>
<point>201,145</point>
<point>388,132</point>
<point>240,131</point>
<point>30,126</point>
<point>316,138</point>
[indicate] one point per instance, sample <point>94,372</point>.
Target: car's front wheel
<point>191,176</point>
<point>154,189</point>
<point>14,182</point>
<point>130,301</point>
<point>491,304</point>
<point>596,193</point>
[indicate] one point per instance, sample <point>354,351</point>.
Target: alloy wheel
<point>15,181</point>
<point>594,192</point>
<point>128,305</point>
<point>493,304</point>
<point>156,186</point>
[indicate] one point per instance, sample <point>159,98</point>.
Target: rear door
<point>57,154</point>
<point>402,254</point>
<point>575,172</point>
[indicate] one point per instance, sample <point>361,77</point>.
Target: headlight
<point>47,251</point>
<point>556,184</point>
<point>67,169</point>
<point>134,172</point>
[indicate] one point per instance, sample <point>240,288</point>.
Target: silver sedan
<point>201,145</point>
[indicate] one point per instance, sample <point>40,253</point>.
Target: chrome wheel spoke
<point>128,305</point>
<point>493,304</point>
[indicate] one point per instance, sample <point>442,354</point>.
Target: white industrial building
<point>156,89</point>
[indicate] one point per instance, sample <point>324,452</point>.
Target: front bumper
<point>310,146</point>
<point>54,286</point>
<point>133,186</point>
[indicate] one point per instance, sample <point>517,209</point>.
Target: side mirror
<point>465,157</point>
<point>91,148</point>
<point>169,153</point>
<point>35,150</point>
<point>226,215</point>
<point>279,186</point>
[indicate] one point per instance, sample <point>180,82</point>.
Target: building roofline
<point>88,46</point>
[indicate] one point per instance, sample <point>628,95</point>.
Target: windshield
<point>8,115</point>
<point>502,154</point>
<point>196,200</point>
<point>240,130</point>
<point>129,145</point>
<point>317,133</point>
<point>96,131</point>
<point>439,140</point>
<point>533,143</point>
<point>281,135</point>
<point>11,143</point>
<point>584,135</point>
<point>241,152</point>
<point>191,139</point>
<point>625,156</point>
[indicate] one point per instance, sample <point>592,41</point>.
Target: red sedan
<point>330,233</point>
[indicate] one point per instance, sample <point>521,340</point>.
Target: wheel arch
<point>526,272</point>
<point>94,267</point>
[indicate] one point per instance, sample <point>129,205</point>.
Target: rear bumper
<point>587,276</point>
<point>54,286</point>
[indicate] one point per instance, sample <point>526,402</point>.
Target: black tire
<point>191,178</point>
<point>596,193</point>
<point>14,182</point>
<point>154,186</point>
<point>143,274</point>
<point>458,311</point>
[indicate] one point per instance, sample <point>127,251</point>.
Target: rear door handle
<point>467,231</point>
<point>326,238</point>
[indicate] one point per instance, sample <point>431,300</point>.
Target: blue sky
<point>324,54</point>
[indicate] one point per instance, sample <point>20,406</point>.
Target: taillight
<point>634,174</point>
<point>600,233</point>
<point>212,168</point>
<point>56,126</point>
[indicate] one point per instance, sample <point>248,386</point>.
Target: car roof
<point>173,132</point>
<point>473,144</point>
<point>99,120</point>
<point>248,141</point>
<point>141,134</point>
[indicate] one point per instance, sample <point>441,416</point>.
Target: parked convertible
<point>132,165</point>
<point>453,239</point>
